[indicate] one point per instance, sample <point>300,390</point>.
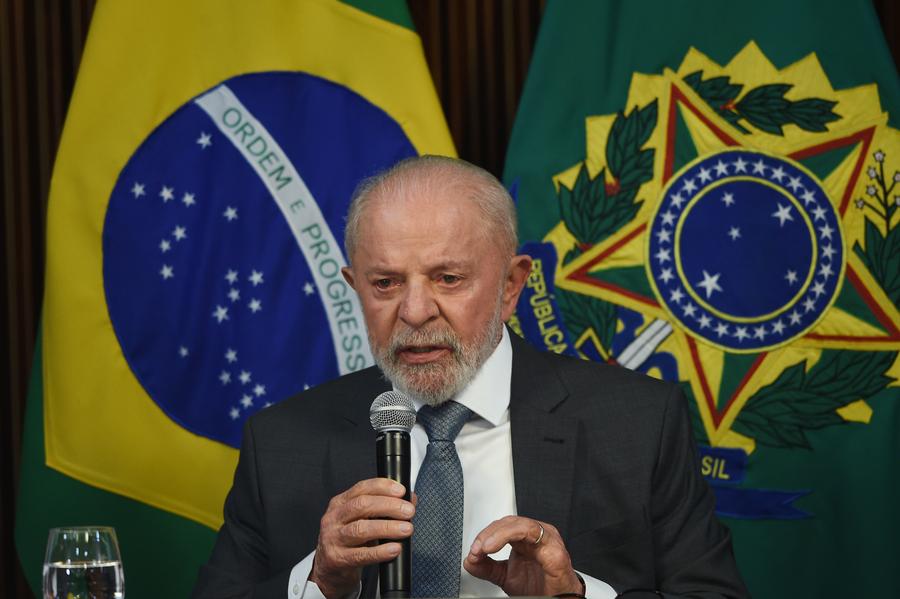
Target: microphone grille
<point>392,411</point>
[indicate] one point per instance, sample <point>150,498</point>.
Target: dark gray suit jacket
<point>602,453</point>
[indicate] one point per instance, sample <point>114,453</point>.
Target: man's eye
<point>383,283</point>
<point>449,279</point>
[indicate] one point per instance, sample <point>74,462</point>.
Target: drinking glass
<point>83,562</point>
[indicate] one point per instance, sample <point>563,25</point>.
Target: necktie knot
<point>444,422</point>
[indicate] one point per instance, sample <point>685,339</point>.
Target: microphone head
<point>392,411</point>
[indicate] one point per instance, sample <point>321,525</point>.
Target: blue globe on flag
<point>222,246</point>
<point>745,250</point>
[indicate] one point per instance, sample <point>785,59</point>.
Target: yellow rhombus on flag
<point>194,247</point>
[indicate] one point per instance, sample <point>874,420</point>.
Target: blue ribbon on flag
<point>723,468</point>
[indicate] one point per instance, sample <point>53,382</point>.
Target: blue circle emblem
<point>222,298</point>
<point>745,250</point>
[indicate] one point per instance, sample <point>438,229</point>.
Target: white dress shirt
<point>484,445</point>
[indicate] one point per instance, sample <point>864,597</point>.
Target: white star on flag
<point>677,200</point>
<point>231,276</point>
<point>308,289</point>
<point>704,321</point>
<point>166,193</point>
<point>668,217</point>
<point>231,355</point>
<point>663,235</point>
<point>220,314</point>
<point>809,304</point>
<point>188,199</point>
<point>676,295</point>
<point>783,214</point>
<point>791,277</point>
<point>689,186</point>
<point>234,413</point>
<point>259,390</point>
<point>183,351</point>
<point>759,332</point>
<point>234,295</point>
<point>666,275</point>
<point>255,305</point>
<point>826,231</point>
<point>825,270</point>
<point>741,333</point>
<point>808,196</point>
<point>230,213</point>
<point>710,283</point>
<point>740,166</point>
<point>165,245</point>
<point>246,401</point>
<point>818,288</point>
<point>828,251</point>
<point>205,140</point>
<point>689,310</point>
<point>759,168</point>
<point>138,190</point>
<point>819,213</point>
<point>795,317</point>
<point>167,272</point>
<point>728,198</point>
<point>721,329</point>
<point>179,233</point>
<point>777,173</point>
<point>663,255</point>
<point>734,233</point>
<point>794,183</point>
<point>256,278</point>
<point>244,377</point>
<point>704,175</point>
<point>777,327</point>
<point>721,168</point>
<point>225,377</point>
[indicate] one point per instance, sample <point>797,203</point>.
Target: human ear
<point>517,274</point>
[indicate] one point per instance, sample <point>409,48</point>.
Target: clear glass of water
<point>83,562</point>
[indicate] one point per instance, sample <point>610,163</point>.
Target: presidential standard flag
<point>712,190</point>
<point>194,254</point>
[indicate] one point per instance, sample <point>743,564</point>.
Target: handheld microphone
<point>392,416</point>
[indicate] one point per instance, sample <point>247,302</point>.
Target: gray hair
<point>420,174</point>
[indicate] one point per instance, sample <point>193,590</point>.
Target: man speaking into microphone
<point>533,474</point>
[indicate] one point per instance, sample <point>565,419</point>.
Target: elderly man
<point>577,478</point>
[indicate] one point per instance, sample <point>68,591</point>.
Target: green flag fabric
<point>193,264</point>
<point>712,192</point>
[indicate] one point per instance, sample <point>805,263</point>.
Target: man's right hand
<point>369,510</point>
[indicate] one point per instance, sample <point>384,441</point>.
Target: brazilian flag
<point>194,253</point>
<point>714,193</point>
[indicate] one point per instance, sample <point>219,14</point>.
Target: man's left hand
<point>538,564</point>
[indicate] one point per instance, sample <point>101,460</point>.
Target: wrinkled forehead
<point>420,202</point>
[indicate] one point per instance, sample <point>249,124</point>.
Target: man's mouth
<point>422,354</point>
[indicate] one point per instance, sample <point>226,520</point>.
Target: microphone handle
<point>392,459</point>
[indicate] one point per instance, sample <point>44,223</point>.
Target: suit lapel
<point>351,451</point>
<point>543,442</point>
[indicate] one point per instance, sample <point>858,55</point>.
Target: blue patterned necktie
<point>437,539</point>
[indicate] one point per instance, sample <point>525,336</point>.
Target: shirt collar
<point>488,393</point>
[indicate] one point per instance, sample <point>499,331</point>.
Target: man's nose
<point>419,304</point>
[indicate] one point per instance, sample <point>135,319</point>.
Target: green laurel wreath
<point>800,400</point>
<point>582,312</point>
<point>763,107</point>
<point>593,209</point>
<point>881,254</point>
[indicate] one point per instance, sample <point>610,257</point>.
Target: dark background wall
<point>478,52</point>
